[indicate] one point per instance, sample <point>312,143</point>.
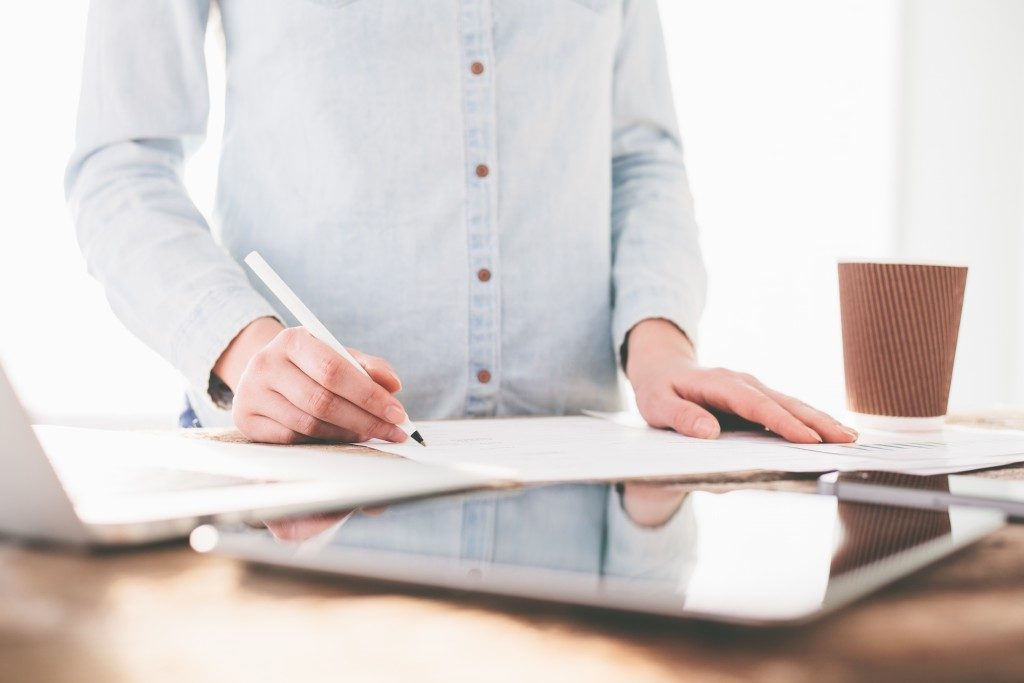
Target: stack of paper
<point>582,448</point>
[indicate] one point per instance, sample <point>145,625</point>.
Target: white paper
<point>582,448</point>
<point>953,449</point>
<point>585,448</point>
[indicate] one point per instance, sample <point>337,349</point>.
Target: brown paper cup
<point>900,327</point>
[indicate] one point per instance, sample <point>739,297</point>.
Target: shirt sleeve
<point>665,553</point>
<point>143,108</point>
<point>657,269</point>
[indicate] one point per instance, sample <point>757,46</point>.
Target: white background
<point>814,129</point>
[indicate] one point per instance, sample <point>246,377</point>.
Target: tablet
<point>752,557</point>
<point>935,492</point>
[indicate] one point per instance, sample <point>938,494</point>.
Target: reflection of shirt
<point>574,527</point>
<point>488,193</point>
<point>666,553</point>
<point>554,527</point>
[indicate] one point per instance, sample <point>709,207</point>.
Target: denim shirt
<point>572,527</point>
<point>554,527</point>
<point>487,193</point>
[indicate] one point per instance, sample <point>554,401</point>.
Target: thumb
<point>666,409</point>
<point>380,371</point>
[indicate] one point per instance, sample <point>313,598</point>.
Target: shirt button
<point>482,171</point>
<point>483,377</point>
<point>477,68</point>
<point>483,275</point>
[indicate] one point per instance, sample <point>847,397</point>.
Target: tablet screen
<point>748,556</point>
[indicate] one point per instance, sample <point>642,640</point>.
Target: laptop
<point>93,487</point>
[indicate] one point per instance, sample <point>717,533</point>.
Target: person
<point>488,195</point>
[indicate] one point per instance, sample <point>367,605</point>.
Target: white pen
<point>312,324</point>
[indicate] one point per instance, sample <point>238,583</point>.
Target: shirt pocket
<point>596,5</point>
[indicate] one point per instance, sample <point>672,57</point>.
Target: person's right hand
<point>293,388</point>
<point>298,529</point>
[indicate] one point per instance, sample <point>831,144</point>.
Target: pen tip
<point>419,439</point>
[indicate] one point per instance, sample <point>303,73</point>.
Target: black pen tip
<point>419,439</point>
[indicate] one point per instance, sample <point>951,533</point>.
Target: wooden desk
<point>166,614</point>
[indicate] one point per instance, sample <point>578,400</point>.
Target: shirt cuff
<point>214,322</point>
<point>640,552</point>
<point>682,309</point>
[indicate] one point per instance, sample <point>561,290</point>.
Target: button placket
<point>478,520</point>
<point>481,212</point>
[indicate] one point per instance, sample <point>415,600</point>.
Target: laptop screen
<point>748,556</point>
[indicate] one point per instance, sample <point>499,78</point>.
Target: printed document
<point>614,446</point>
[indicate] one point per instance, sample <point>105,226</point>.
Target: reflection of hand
<point>303,528</point>
<point>673,391</point>
<point>651,504</point>
<point>290,387</point>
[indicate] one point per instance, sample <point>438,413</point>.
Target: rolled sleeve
<point>143,108</point>
<point>209,327</point>
<point>658,270</point>
<point>681,308</point>
<point>665,552</point>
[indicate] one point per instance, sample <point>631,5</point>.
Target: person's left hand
<point>674,391</point>
<point>650,504</point>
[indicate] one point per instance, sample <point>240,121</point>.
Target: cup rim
<point>900,262</point>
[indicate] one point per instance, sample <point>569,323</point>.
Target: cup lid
<point>900,262</point>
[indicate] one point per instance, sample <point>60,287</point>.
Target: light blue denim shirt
<point>554,527</point>
<point>572,527</point>
<point>457,186</point>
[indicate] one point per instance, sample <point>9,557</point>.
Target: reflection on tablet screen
<point>756,557</point>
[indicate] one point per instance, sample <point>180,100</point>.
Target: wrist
<point>651,505</point>
<point>253,337</point>
<point>657,339</point>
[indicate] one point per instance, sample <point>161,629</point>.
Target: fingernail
<point>394,414</point>
<point>849,432</point>
<point>814,435</point>
<point>397,435</point>
<point>705,427</point>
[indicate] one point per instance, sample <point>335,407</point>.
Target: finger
<point>747,401</point>
<point>666,409</point>
<point>315,400</point>
<point>336,374</point>
<point>281,410</point>
<point>385,377</point>
<point>380,371</point>
<point>278,407</point>
<point>692,420</point>
<point>262,429</point>
<point>830,429</point>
